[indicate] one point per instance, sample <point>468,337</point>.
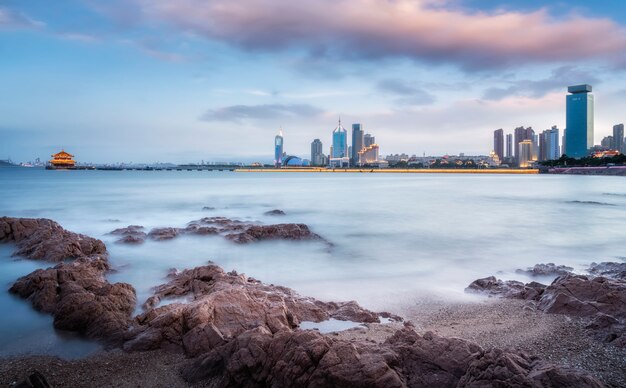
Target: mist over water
<point>397,238</point>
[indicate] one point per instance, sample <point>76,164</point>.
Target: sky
<point>214,80</point>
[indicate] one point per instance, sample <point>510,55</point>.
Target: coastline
<point>394,171</point>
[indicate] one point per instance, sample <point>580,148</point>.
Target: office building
<point>368,155</point>
<point>607,143</point>
<point>340,142</point>
<point>278,149</point>
<point>498,143</point>
<point>552,143</point>
<point>317,153</point>
<point>357,142</point>
<point>579,119</point>
<point>368,140</point>
<point>509,145</point>
<point>522,134</point>
<point>618,138</point>
<point>525,153</point>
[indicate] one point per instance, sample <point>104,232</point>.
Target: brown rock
<point>491,286</point>
<point>407,359</point>
<point>132,234</point>
<point>224,305</point>
<point>273,232</point>
<point>44,239</point>
<point>549,269</point>
<point>275,212</point>
<point>80,298</point>
<point>160,234</point>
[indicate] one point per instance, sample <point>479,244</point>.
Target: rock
<point>606,269</point>
<point>132,234</point>
<point>35,380</point>
<point>491,286</point>
<point>160,234</point>
<point>208,208</point>
<point>549,269</point>
<point>273,232</point>
<point>259,357</point>
<point>275,212</point>
<point>80,298</point>
<point>44,239</point>
<point>222,306</point>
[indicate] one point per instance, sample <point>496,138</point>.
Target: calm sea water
<point>397,238</point>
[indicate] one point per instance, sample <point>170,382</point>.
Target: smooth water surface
<point>397,238</point>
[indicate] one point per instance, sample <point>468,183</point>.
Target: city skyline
<point>152,81</point>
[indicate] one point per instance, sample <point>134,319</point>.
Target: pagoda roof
<point>62,154</point>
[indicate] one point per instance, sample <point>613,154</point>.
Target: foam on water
<point>397,238</point>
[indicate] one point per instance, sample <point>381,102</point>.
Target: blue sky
<point>191,80</point>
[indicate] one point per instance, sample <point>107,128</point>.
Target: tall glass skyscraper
<point>618,138</point>
<point>357,143</point>
<point>317,155</point>
<point>579,121</point>
<point>278,149</point>
<point>340,142</point>
<point>498,143</point>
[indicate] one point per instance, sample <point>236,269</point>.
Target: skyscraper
<point>509,145</point>
<point>278,148</point>
<point>340,142</point>
<point>357,143</point>
<point>549,144</point>
<point>498,143</point>
<point>317,153</point>
<point>579,119</point>
<point>525,153</point>
<point>618,138</point>
<point>522,134</point>
<point>368,140</point>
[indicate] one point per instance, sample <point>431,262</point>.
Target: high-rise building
<point>278,149</point>
<point>564,142</point>
<point>368,155</point>
<point>607,142</point>
<point>340,142</point>
<point>498,143</point>
<point>368,140</point>
<point>357,142</point>
<point>579,118</point>
<point>509,145</point>
<point>618,138</point>
<point>549,144</point>
<point>522,134</point>
<point>317,153</point>
<point>525,153</point>
<point>543,152</point>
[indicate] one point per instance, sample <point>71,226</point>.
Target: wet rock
<point>275,212</point>
<point>208,208</point>
<point>513,289</point>
<point>44,239</point>
<point>273,232</point>
<point>132,234</point>
<point>222,306</point>
<point>549,269</point>
<point>259,357</point>
<point>198,229</point>
<point>606,269</point>
<point>160,234</point>
<point>80,298</point>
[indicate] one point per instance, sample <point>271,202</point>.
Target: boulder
<point>222,306</point>
<point>160,234</point>
<point>132,234</point>
<point>549,269</point>
<point>80,298</point>
<point>44,239</point>
<point>610,270</point>
<point>275,212</point>
<point>259,357</point>
<point>513,289</point>
<point>255,233</point>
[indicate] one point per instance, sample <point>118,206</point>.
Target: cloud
<point>559,79</point>
<point>238,113</point>
<point>12,19</point>
<point>408,93</point>
<point>435,32</point>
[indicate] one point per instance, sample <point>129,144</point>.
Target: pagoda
<point>62,160</point>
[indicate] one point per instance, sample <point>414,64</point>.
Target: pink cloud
<point>421,30</point>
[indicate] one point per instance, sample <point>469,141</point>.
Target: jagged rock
<point>34,380</point>
<point>507,289</point>
<point>44,239</point>
<point>259,357</point>
<point>549,269</point>
<point>80,298</point>
<point>160,234</point>
<point>224,305</point>
<point>607,269</point>
<point>273,232</point>
<point>275,212</point>
<point>132,234</point>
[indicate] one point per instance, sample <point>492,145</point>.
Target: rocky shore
<point>207,327</point>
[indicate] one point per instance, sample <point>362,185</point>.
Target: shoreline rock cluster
<point>237,231</point>
<point>239,331</point>
<point>599,298</point>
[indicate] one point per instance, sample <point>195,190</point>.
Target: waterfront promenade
<point>394,170</point>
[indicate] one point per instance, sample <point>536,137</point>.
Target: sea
<point>396,238</point>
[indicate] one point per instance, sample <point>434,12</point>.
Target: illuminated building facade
<point>368,155</point>
<point>62,160</point>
